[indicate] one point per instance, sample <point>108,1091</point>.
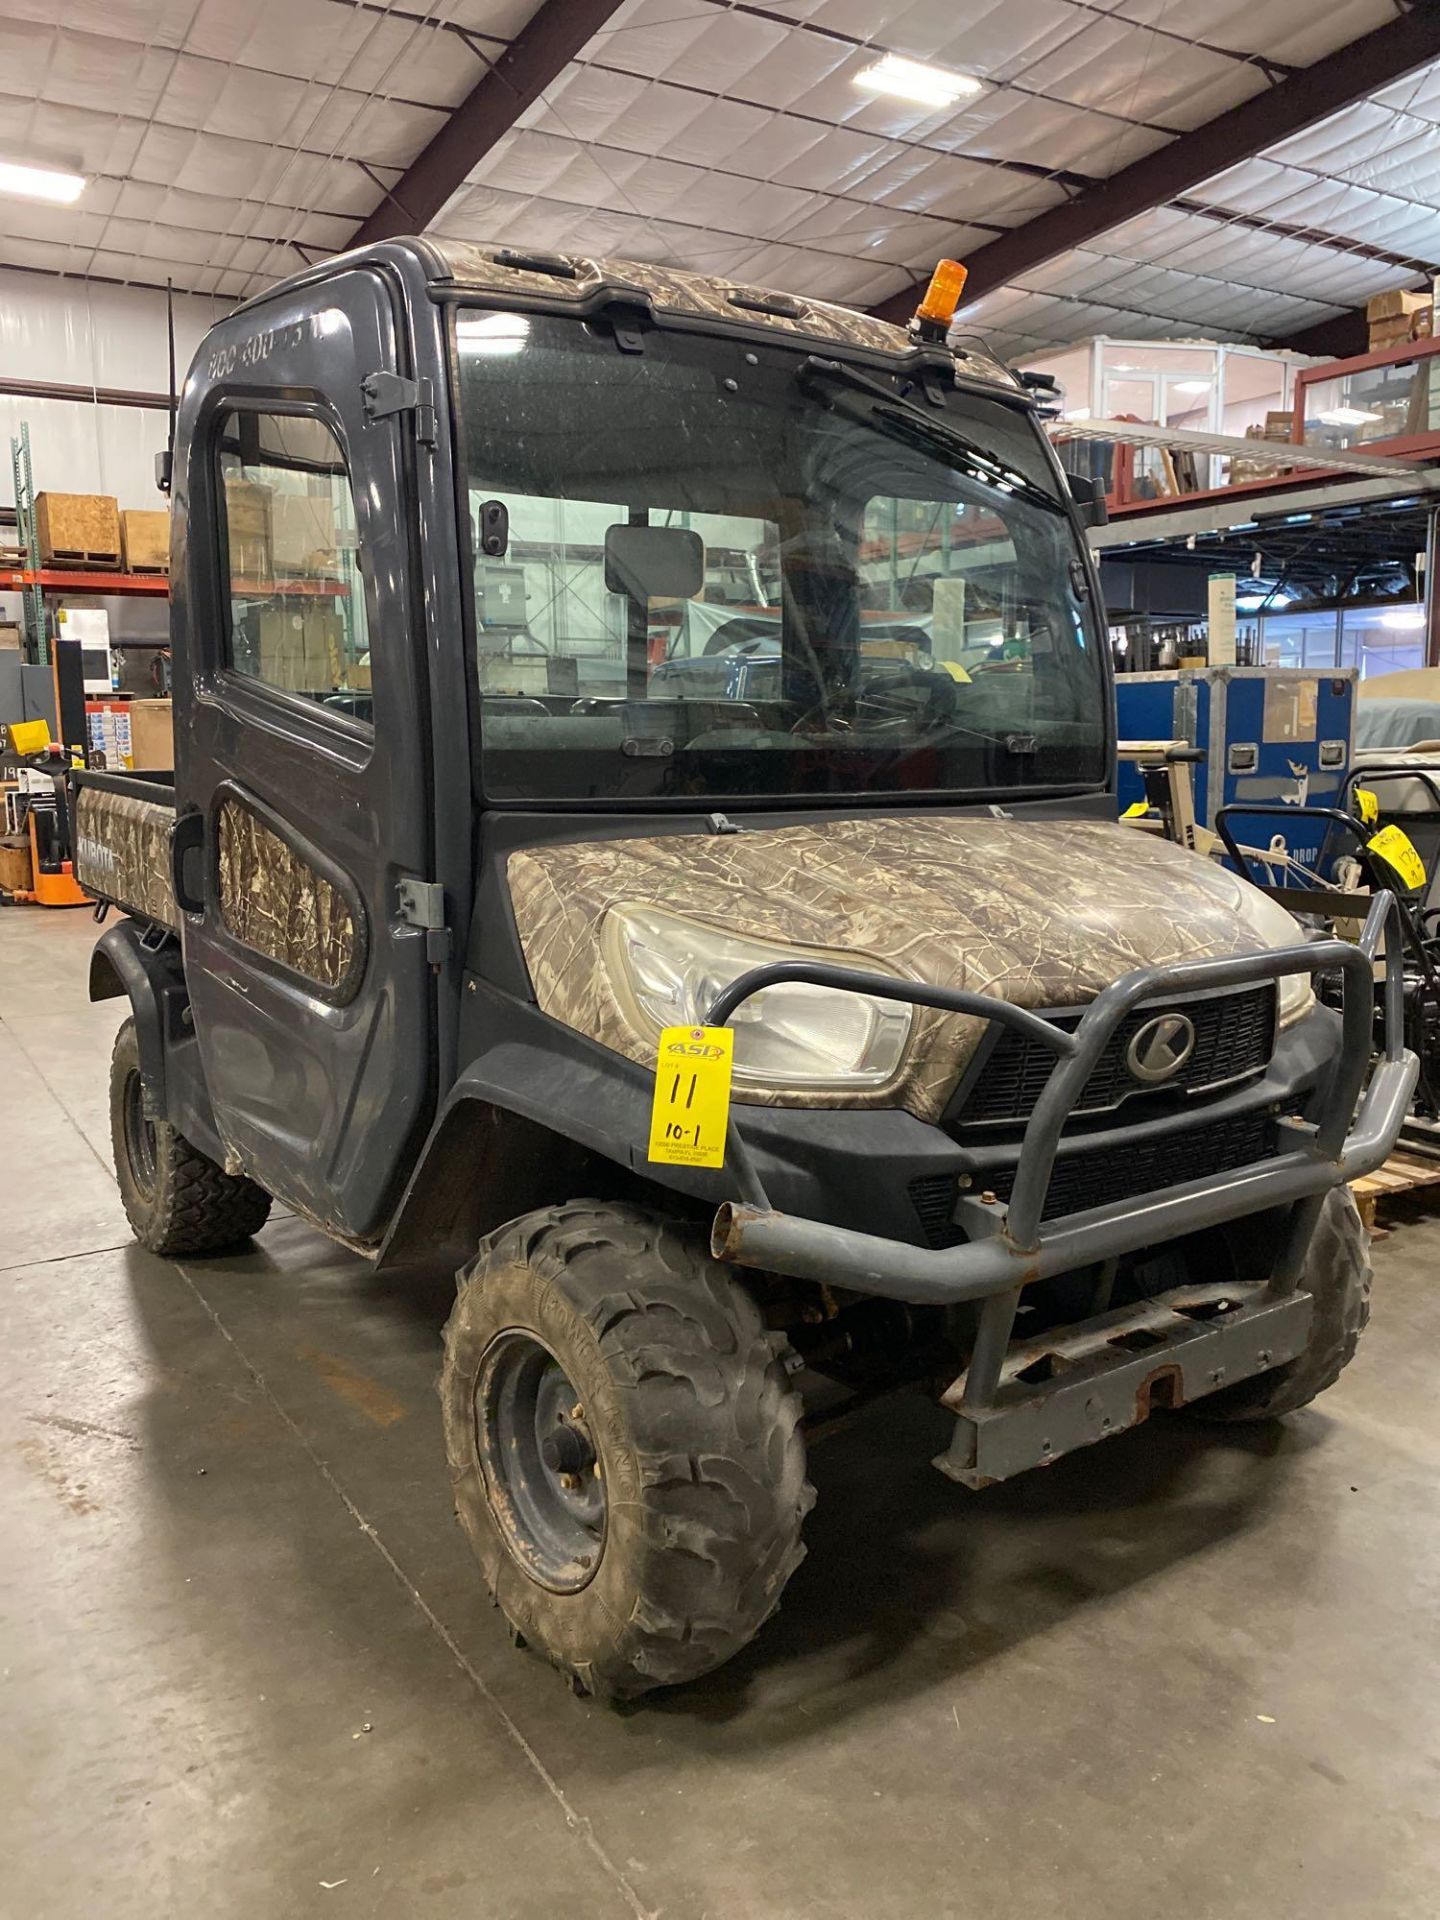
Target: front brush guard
<point>1217,1338</point>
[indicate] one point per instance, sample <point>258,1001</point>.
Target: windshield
<point>714,570</point>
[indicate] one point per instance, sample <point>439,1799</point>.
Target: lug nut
<point>569,1482</point>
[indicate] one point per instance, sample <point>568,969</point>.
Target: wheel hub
<point>539,1462</point>
<point>139,1135</point>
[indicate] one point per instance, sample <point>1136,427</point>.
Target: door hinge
<point>388,393</point>
<point>422,904</point>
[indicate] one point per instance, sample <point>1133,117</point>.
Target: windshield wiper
<point>931,433</point>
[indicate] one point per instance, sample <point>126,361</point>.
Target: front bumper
<point>1353,1124</point>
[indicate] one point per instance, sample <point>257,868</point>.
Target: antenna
<point>165,464</point>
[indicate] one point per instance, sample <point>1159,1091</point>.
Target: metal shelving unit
<point>32,599</point>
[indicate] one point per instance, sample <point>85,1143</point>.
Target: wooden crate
<point>145,539</point>
<point>77,529</point>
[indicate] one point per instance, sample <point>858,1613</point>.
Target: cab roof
<point>490,272</point>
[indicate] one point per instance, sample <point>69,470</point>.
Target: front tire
<point>1337,1275</point>
<point>623,1444</point>
<point>175,1197</point>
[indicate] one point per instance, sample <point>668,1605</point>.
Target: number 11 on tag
<point>692,1096</point>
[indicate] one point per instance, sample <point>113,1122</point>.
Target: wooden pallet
<point>70,558</point>
<point>1403,1172</point>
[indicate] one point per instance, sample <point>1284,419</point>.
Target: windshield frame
<point>455,302</point>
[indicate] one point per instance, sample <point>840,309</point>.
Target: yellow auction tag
<point>1134,812</point>
<point>1369,806</point>
<point>692,1096</point>
<point>1397,850</point>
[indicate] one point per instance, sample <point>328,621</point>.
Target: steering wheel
<point>889,713</point>
<point>938,706</point>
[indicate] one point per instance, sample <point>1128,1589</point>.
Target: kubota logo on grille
<point>1161,1047</point>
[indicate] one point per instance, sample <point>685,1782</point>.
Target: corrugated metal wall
<point>79,333</point>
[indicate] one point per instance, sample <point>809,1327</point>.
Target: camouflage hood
<point>1043,913</point>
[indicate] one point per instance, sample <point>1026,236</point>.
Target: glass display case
<point>1388,400</point>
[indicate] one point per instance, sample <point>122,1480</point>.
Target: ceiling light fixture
<point>1192,386</point>
<point>914,80</point>
<point>1404,619</point>
<point>40,183</point>
<point>492,334</point>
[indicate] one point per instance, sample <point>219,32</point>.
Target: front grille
<point>1096,1179</point>
<point>933,1197</point>
<point>1234,1035</point>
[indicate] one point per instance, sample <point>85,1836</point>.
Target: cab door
<point>302,764</point>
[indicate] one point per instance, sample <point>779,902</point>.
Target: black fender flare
<point>538,1108</point>
<point>542,1114</point>
<point>152,976</point>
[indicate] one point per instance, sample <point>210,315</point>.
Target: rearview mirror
<point>654,563</point>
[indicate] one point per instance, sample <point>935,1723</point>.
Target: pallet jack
<point>37,804</point>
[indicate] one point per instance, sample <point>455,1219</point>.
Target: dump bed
<point>123,825</point>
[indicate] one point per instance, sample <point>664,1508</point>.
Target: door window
<point>295,590</point>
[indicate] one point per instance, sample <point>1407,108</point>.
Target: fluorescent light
<point>1404,619</point>
<point>1348,417</point>
<point>1192,386</point>
<point>40,183</point>
<point>914,80</point>
<point>492,333</point>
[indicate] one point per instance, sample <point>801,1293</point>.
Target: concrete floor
<point>248,1670</point>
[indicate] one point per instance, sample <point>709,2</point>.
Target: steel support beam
<point>536,56</point>
<point>1374,61</point>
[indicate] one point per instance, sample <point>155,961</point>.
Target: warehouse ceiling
<point>226,145</point>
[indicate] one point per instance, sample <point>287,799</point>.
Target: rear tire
<point>1337,1275</point>
<point>639,1535</point>
<point>175,1197</point>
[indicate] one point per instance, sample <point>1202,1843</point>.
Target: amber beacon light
<point>942,296</point>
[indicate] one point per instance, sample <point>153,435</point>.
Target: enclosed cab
<point>572,654</point>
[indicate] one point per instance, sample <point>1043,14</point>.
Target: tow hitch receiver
<point>1080,1384</point>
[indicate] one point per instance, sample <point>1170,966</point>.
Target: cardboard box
<point>145,539</point>
<point>302,533</point>
<point>247,527</point>
<point>1394,306</point>
<point>1278,425</point>
<point>77,529</point>
<point>250,558</point>
<point>10,638</point>
<point>1394,330</point>
<point>16,874</point>
<point>247,507</point>
<point>300,649</point>
<point>1389,333</point>
<point>152,736</point>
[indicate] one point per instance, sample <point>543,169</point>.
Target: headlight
<point>667,970</point>
<point>1272,926</point>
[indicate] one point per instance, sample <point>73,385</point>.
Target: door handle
<point>187,839</point>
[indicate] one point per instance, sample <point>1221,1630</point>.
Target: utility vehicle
<point>1025,1104</point>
